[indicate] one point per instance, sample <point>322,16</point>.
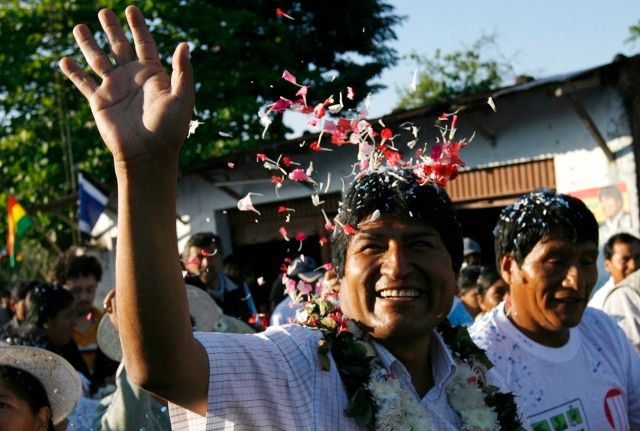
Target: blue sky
<point>539,38</point>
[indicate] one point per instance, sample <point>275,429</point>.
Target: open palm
<point>139,109</point>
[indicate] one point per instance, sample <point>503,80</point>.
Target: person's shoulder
<point>485,331</point>
<point>598,327</point>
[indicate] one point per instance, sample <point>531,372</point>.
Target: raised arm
<point>143,115</point>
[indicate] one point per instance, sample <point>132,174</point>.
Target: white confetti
<point>193,125</point>
<point>491,103</point>
<point>414,81</point>
<point>245,204</point>
<point>315,200</point>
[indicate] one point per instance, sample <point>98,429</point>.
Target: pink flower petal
<point>300,236</point>
<point>283,232</point>
<point>287,76</point>
<point>298,175</point>
<point>350,93</point>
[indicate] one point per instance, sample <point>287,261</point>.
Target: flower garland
<point>376,396</point>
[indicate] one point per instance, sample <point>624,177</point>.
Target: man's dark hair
<point>539,215</point>
<point>468,278</point>
<point>488,276</point>
<point>397,194</point>
<point>622,237</point>
<point>70,265</point>
<point>44,302</point>
<point>27,387</point>
<point>204,240</point>
<point>611,191</point>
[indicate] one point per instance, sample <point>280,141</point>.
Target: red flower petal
<point>348,229</point>
<point>261,157</point>
<point>386,133</point>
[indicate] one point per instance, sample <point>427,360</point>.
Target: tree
<point>444,77</point>
<point>239,51</point>
<point>634,33</point>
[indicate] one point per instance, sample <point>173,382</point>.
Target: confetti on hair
<point>261,281</point>
<point>231,165</point>
<point>348,229</point>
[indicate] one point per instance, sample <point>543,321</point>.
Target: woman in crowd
<point>491,289</point>
<point>49,324</point>
<point>38,389</point>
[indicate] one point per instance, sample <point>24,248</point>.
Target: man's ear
<point>607,266</point>
<point>508,268</point>
<point>42,419</point>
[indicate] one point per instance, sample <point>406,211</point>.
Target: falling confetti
<point>414,81</point>
<point>280,12</point>
<point>193,125</point>
<point>491,103</point>
<point>245,204</point>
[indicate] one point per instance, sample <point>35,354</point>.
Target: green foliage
<point>634,33</point>
<point>239,50</point>
<point>444,77</point>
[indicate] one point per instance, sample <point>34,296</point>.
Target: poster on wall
<point>610,205</point>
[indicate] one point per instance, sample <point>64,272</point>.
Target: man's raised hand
<point>140,111</point>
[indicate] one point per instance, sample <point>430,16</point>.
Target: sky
<point>539,38</point>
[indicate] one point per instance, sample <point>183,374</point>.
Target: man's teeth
<point>399,293</point>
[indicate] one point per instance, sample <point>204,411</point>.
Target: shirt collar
<point>442,362</point>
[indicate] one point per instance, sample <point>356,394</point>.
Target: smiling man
<point>396,263</point>
<point>571,368</point>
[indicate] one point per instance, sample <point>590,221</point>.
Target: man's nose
<point>575,278</point>
<point>396,262</point>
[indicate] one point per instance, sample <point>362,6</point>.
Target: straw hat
<point>57,376</point>
<point>206,314</point>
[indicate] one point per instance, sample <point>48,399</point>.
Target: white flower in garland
<point>396,408</point>
<point>479,419</point>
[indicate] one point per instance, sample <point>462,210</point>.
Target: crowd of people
<point>380,340</point>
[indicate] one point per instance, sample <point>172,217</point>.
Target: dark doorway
<point>478,224</point>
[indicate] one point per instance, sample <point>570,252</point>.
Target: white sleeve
<point>254,380</point>
<point>623,304</point>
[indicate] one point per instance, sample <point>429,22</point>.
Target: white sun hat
<point>57,376</point>
<point>206,314</point>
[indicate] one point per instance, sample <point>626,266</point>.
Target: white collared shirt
<point>273,380</point>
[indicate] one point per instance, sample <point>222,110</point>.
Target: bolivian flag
<point>19,222</point>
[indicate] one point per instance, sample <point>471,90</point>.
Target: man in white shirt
<point>570,368</point>
<point>621,258</point>
<point>623,304</point>
<point>396,251</point>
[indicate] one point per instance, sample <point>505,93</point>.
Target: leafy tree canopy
<point>239,49</point>
<point>634,33</point>
<point>445,76</point>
